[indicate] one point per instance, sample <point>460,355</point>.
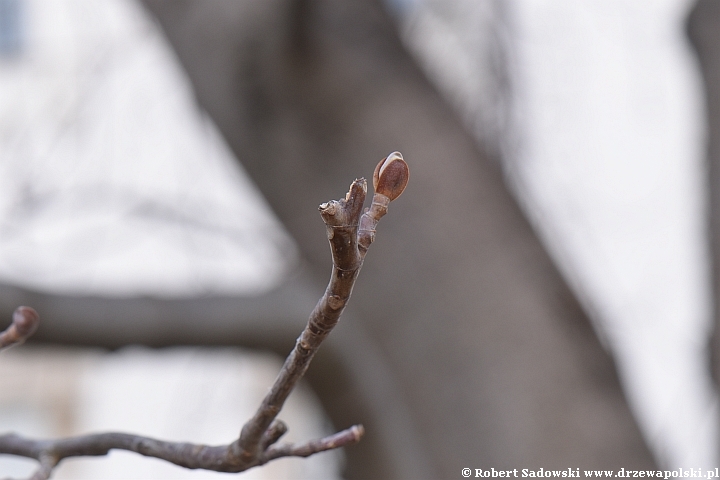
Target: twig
<point>192,456</point>
<point>25,322</point>
<point>350,236</point>
<point>350,233</point>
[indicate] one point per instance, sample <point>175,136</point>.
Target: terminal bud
<point>391,176</point>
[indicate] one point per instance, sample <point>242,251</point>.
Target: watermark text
<point>578,473</point>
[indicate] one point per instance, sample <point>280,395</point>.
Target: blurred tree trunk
<point>488,357</point>
<point>703,27</point>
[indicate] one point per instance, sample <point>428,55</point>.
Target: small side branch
<point>341,439</point>
<point>25,322</point>
<point>192,456</point>
<point>350,231</point>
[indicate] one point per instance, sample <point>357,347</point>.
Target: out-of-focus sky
<point>111,180</point>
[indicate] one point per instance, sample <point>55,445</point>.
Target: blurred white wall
<point>112,181</point>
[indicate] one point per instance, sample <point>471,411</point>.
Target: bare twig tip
<point>391,176</point>
<point>276,430</point>
<point>26,321</point>
<point>359,186</point>
<point>361,182</point>
<point>358,431</point>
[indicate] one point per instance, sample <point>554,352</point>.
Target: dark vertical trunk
<point>703,28</point>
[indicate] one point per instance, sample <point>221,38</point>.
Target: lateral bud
<point>391,176</point>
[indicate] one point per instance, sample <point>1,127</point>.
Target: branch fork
<point>350,231</point>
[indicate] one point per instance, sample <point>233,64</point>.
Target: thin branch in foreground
<point>350,231</point>
<point>188,455</point>
<point>348,244</point>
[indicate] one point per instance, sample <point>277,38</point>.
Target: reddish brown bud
<point>26,321</point>
<point>391,176</point>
